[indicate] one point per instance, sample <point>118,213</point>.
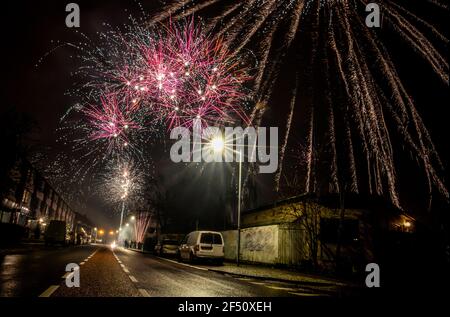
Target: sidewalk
<point>269,273</point>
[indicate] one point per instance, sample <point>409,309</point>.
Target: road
<point>126,273</point>
<point>27,274</point>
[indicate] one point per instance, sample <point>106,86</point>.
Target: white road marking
<point>126,270</point>
<point>306,294</point>
<point>82,263</point>
<point>259,283</point>
<point>144,292</point>
<point>67,274</point>
<point>282,288</point>
<point>133,279</point>
<point>49,291</point>
<point>195,267</point>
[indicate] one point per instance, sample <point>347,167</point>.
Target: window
<point>211,238</point>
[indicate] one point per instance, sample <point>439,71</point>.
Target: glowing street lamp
<point>218,146</point>
<point>125,186</point>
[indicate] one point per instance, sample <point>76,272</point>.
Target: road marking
<point>126,270</point>
<point>306,294</point>
<point>244,278</point>
<point>283,288</point>
<point>133,279</point>
<point>82,263</point>
<point>67,274</point>
<point>49,291</point>
<point>185,264</point>
<point>144,292</point>
<point>258,283</point>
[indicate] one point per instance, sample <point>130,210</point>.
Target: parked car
<point>202,245</point>
<point>167,247</point>
<point>56,233</point>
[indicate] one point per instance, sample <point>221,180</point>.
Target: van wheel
<point>191,257</point>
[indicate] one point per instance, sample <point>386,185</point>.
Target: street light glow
<point>217,144</point>
<point>133,217</point>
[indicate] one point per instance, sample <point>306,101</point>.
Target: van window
<point>211,238</point>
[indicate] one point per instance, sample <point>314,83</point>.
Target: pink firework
<point>112,120</point>
<point>181,74</point>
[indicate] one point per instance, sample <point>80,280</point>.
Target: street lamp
<point>218,146</point>
<point>125,186</point>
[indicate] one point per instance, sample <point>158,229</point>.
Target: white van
<point>202,245</point>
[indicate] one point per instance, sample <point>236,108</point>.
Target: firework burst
<point>346,92</point>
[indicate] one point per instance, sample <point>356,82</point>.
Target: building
<point>30,201</point>
<point>306,232</point>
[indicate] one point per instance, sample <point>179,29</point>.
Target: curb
<point>138,250</point>
<point>276,279</point>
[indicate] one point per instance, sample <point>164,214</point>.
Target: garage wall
<point>258,244</point>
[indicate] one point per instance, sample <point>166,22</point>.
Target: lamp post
<point>218,146</point>
<point>125,185</point>
<point>239,208</point>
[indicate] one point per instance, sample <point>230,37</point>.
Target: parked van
<point>56,232</point>
<point>202,245</point>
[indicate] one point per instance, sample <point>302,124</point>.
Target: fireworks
<point>123,178</point>
<point>170,75</point>
<point>137,82</point>
<point>355,114</point>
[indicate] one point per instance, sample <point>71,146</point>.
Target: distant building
<point>31,202</point>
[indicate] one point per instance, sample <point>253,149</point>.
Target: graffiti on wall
<point>263,239</point>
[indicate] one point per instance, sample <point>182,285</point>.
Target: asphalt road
<point>126,273</point>
<point>29,273</point>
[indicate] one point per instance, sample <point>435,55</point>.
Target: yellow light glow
<point>217,144</point>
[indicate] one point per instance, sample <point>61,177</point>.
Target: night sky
<point>28,29</point>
